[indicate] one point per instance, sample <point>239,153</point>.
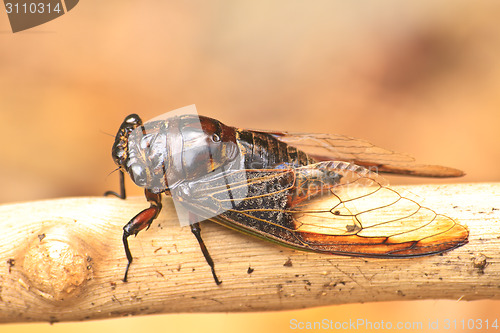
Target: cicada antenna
<point>122,194</point>
<point>115,170</point>
<point>106,133</point>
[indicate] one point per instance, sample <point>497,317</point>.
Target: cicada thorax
<point>160,154</point>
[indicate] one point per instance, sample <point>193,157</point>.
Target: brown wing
<point>359,215</point>
<point>332,147</point>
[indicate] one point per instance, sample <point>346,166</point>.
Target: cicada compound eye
<point>138,174</point>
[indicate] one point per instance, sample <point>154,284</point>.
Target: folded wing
<point>333,147</point>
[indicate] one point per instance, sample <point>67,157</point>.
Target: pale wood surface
<point>63,260</point>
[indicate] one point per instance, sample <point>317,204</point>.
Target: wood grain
<point>63,260</point>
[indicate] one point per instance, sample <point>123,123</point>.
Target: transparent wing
<point>338,208</point>
<point>332,147</point>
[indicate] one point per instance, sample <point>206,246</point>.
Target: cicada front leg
<point>140,221</point>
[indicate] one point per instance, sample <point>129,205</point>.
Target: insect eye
<point>138,174</point>
<point>215,138</point>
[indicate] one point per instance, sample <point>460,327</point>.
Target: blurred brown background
<point>421,78</point>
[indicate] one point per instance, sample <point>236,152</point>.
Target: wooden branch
<point>63,260</point>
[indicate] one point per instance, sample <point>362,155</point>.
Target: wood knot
<point>480,262</point>
<point>56,264</point>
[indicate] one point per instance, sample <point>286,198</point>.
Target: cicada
<point>313,192</point>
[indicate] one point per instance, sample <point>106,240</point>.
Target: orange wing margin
<point>361,216</point>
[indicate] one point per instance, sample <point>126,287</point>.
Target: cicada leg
<point>139,222</point>
<point>122,194</point>
<point>196,230</point>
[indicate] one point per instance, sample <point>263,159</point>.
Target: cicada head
<point>120,151</point>
<point>130,152</point>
